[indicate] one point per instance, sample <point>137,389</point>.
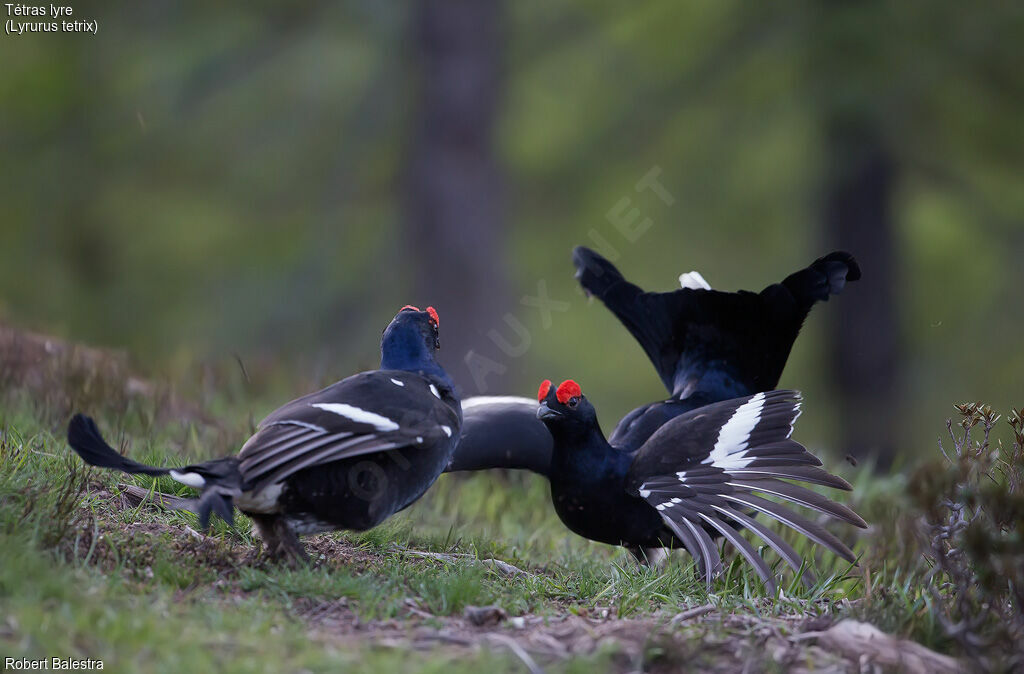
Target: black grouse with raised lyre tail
<point>700,476</point>
<point>346,457</point>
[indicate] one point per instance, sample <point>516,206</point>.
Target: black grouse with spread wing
<point>346,457</point>
<point>700,476</point>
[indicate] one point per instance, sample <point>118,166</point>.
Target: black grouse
<point>701,475</point>
<point>706,345</point>
<point>346,457</point>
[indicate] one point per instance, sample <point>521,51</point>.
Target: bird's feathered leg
<point>654,558</point>
<point>280,541</point>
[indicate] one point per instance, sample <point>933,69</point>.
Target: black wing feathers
<point>370,412</point>
<point>276,444</point>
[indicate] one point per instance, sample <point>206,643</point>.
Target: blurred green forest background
<point>273,181</point>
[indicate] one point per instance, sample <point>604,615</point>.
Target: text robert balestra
<point>54,664</point>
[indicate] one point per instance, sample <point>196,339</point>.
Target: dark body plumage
<point>346,457</point>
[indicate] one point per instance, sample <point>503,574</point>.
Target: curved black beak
<point>544,412</point>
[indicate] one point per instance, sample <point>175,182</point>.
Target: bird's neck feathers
<point>404,348</point>
<point>583,452</point>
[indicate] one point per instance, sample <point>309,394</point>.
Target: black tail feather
<point>647,316</point>
<point>84,437</point>
<point>223,480</point>
<point>824,277</point>
<point>502,432</point>
<point>596,274</point>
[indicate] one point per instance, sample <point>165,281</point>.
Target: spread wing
<point>712,345</point>
<point>366,413</point>
<point>715,466</point>
<point>502,432</point>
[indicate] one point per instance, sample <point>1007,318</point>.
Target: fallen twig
<point>857,640</point>
<point>502,567</point>
<point>138,495</point>
<point>518,651</point>
<point>691,613</point>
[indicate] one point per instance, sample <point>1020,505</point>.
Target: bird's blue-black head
<point>565,411</point>
<point>411,340</point>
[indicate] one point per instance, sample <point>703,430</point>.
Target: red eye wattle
<point>542,393</point>
<point>568,389</point>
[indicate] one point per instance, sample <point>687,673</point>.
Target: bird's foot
<point>280,543</point>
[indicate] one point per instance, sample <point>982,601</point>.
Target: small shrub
<point>972,531</point>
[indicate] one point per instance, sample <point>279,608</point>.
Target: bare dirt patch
<point>712,642</point>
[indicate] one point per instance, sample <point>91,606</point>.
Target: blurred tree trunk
<point>858,217</point>
<point>849,53</point>
<point>454,216</point>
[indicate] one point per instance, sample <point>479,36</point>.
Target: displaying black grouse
<point>700,475</point>
<point>706,345</point>
<point>714,351</point>
<point>346,457</point>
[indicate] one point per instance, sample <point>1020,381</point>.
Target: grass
<point>96,581</point>
<point>84,573</point>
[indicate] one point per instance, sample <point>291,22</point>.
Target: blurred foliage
<point>944,554</point>
<point>200,181</point>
